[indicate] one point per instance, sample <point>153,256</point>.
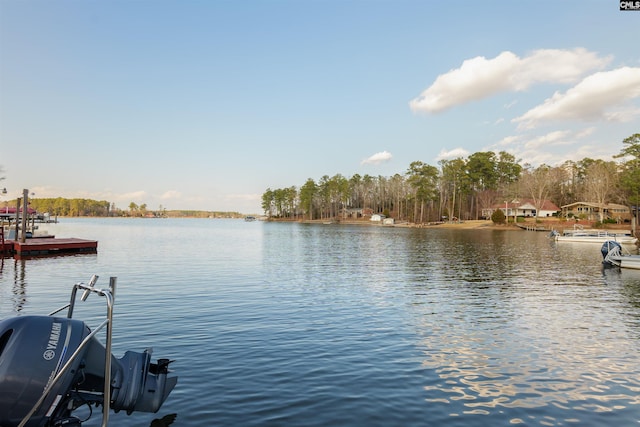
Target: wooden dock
<point>534,227</point>
<point>48,246</point>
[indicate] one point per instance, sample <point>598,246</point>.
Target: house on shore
<point>522,208</point>
<point>355,212</point>
<point>597,211</point>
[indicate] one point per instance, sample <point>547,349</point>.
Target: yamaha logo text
<point>54,337</point>
<point>629,5</point>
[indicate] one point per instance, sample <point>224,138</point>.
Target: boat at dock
<point>582,235</point>
<point>614,255</point>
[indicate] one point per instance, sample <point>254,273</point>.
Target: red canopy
<point>12,210</point>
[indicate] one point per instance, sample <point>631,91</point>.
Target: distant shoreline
<point>546,224</point>
<point>471,224</point>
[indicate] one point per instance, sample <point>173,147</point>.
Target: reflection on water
<point>294,324</point>
<point>538,334</point>
<point>18,295</point>
<point>626,281</point>
<point>508,320</point>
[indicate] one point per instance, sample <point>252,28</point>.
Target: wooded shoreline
<point>548,224</point>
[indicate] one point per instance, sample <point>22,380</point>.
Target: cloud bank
<point>600,96</point>
<point>479,78</point>
<point>589,94</point>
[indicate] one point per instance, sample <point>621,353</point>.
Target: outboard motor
<point>609,250</point>
<point>50,366</point>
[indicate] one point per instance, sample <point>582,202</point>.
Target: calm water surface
<point>323,325</point>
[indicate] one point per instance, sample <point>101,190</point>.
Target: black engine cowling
<point>33,349</point>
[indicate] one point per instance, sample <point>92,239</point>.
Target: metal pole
<point>16,237</point>
<point>106,404</point>
<point>25,203</point>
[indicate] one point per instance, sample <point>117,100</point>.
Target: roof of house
<point>596,205</point>
<point>547,205</point>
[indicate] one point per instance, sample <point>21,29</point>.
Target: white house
<point>523,208</point>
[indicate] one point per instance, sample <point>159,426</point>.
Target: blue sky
<point>206,104</point>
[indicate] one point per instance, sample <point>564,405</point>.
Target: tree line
<point>462,187</point>
<point>61,206</point>
<point>68,207</point>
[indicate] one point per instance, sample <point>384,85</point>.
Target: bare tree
<point>601,183</point>
<point>538,184</point>
<point>453,182</point>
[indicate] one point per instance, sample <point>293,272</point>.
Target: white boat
<point>580,234</point>
<point>613,256</point>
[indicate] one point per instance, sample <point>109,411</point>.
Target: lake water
<point>276,324</point>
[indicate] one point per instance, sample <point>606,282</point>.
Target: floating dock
<point>48,246</point>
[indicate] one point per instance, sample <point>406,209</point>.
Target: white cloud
<point>590,100</point>
<point>479,77</point>
<point>550,139</point>
<point>43,191</point>
<point>381,157</point>
<point>537,157</point>
<point>170,194</point>
<point>554,148</point>
<point>586,132</point>
<point>132,196</point>
<point>508,140</point>
<point>601,151</point>
<point>246,197</point>
<point>622,115</point>
<point>556,66</point>
<point>452,154</point>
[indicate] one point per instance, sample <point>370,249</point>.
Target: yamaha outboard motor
<point>50,366</point>
<point>610,249</point>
